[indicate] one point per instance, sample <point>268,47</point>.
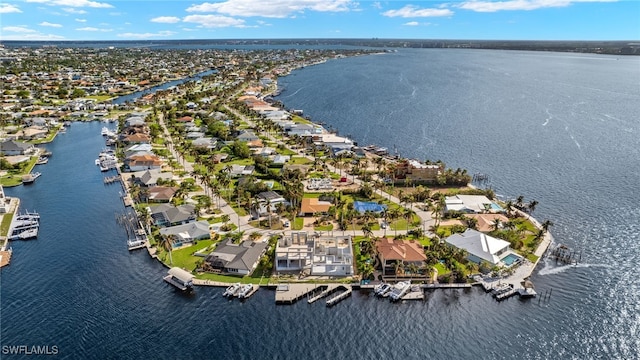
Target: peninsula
<point>228,185</point>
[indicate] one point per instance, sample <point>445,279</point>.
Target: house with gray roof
<point>240,259</point>
<point>166,215</point>
<point>247,135</point>
<point>187,233</point>
<point>149,178</point>
<point>205,142</point>
<point>11,148</point>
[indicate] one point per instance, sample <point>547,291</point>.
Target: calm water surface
<point>559,128</point>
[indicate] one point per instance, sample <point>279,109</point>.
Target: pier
<point>341,296</point>
<point>111,179</point>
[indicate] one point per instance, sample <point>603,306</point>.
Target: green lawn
<point>6,222</point>
<point>298,224</point>
<point>297,160</point>
<point>184,258</point>
<point>323,228</point>
<point>442,270</point>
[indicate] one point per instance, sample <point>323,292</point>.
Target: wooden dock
<point>414,295</point>
<point>446,286</point>
<point>5,258</point>
<point>111,179</point>
<point>289,293</point>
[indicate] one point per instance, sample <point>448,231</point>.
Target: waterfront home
<point>160,194</point>
<point>480,246</point>
<point>240,259</point>
<point>312,206</point>
<point>471,204</point>
<point>142,162</point>
<point>185,234</point>
<point>487,222</point>
<point>33,133</point>
<point>149,178</point>
<point>139,147</point>
<point>137,138</point>
<point>416,171</point>
<point>166,215</point>
<point>12,148</point>
<point>397,252</point>
<point>134,121</point>
<point>317,255</point>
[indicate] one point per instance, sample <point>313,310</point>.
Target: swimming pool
<point>510,259</point>
<point>496,207</point>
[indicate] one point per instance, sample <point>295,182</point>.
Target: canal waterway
<point>78,288</point>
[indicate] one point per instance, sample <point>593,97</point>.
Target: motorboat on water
<point>245,290</point>
<point>231,290</point>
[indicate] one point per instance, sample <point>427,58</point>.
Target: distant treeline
<point>631,47</point>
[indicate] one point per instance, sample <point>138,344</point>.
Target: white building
<point>319,256</point>
<point>480,246</point>
<point>471,204</point>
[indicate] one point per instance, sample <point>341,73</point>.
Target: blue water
<point>559,128</point>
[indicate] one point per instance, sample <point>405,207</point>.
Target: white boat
<point>28,234</point>
<point>136,244</point>
<point>382,289</point>
<point>29,178</point>
<point>399,290</point>
<point>42,160</point>
<point>28,216</point>
<point>105,131</point>
<point>245,290</point>
<point>231,290</point>
<point>501,288</point>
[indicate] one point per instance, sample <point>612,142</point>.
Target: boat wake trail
<point>553,269</point>
<point>297,91</point>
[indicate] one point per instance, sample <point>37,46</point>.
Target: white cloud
<point>377,5</point>
<point>22,32</point>
<point>411,23</point>
<point>493,6</point>
<point>8,8</point>
<point>74,3</point>
<point>89,28</point>
<point>413,11</point>
<point>166,19</point>
<point>18,29</point>
<point>213,21</point>
<point>74,11</point>
<point>81,20</point>
<point>147,35</point>
<point>44,23</point>
<point>274,8</point>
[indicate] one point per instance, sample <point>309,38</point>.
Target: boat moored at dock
<point>180,279</point>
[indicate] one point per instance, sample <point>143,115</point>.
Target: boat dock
<point>111,179</point>
<point>325,292</point>
<point>414,295</point>
<point>447,286</point>
<point>341,296</point>
<point>289,293</point>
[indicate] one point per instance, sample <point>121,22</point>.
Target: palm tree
<point>496,224</point>
<point>532,206</point>
<point>366,230</point>
<point>166,243</point>
<point>546,225</point>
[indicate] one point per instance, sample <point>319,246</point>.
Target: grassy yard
<point>6,222</point>
<point>442,270</point>
<point>184,258</point>
<point>298,224</point>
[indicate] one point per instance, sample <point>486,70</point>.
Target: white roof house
<point>468,203</point>
<point>480,246</point>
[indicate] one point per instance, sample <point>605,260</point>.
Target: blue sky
<point>251,19</point>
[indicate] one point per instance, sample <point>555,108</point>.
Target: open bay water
<point>77,286</point>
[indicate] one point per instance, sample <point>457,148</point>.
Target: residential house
<point>240,259</point>
<point>12,148</point>
<point>397,252</point>
<point>268,202</point>
<point>241,170</point>
<point>417,172</point>
<point>205,142</point>
<point>247,135</point>
<point>165,215</point>
<point>471,204</point>
<point>480,246</point>
<point>187,233</point>
<point>34,133</point>
<point>137,138</point>
<point>311,206</point>
<point>318,256</point>
<point>149,178</point>
<point>143,162</point>
<point>487,222</point>
<point>161,194</point>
